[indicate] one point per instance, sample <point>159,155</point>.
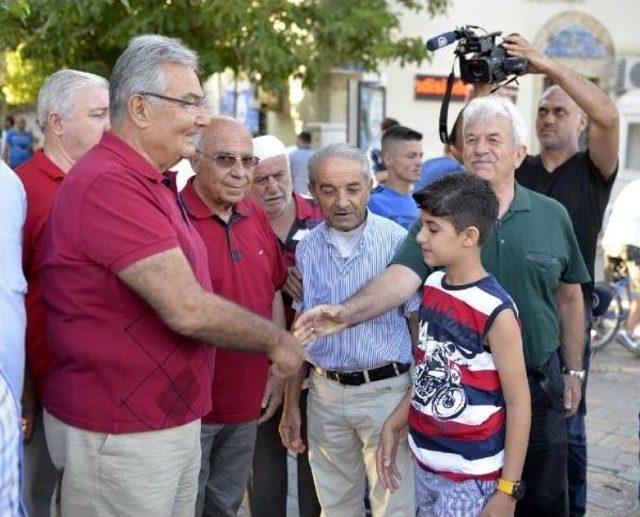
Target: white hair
<point>139,69</point>
<point>341,150</point>
<point>58,94</point>
<point>482,108</point>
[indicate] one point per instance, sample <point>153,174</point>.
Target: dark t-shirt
<point>579,186</point>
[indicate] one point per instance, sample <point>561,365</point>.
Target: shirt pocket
<point>543,267</point>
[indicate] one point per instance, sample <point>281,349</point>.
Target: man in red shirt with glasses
<point>246,267</point>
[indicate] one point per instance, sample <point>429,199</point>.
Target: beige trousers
<point>149,474</point>
<point>344,424</point>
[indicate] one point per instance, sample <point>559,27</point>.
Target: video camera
<point>481,61</point>
<point>489,62</point>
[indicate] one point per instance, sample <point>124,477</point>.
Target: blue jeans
<point>577,467</point>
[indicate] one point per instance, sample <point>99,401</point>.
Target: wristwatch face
<point>519,489</point>
<point>577,374</point>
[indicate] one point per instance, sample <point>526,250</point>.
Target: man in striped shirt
<point>359,376</point>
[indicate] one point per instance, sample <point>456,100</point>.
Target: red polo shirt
<point>246,267</point>
<point>41,179</point>
<point>308,215</point>
<point>118,367</point>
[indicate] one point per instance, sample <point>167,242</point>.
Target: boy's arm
<point>393,432</point>
<point>505,340</point>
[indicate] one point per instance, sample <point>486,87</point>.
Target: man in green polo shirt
<point>534,255</point>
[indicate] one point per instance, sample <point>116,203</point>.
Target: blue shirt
<point>436,168</point>
<point>393,205</point>
<point>330,279</point>
<point>299,165</point>
<point>20,146</point>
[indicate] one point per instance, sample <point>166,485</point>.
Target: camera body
<point>489,62</point>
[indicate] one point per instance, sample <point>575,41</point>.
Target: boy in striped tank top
<point>469,408</point>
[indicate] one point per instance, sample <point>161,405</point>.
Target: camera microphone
<point>444,39</point>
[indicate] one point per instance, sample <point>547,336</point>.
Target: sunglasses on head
<point>226,160</point>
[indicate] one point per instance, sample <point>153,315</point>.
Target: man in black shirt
<point>581,181</point>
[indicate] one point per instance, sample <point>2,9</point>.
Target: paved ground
<point>613,403</point>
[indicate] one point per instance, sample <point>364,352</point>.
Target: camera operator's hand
<point>517,46</point>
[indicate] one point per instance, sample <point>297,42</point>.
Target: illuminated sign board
<point>435,86</point>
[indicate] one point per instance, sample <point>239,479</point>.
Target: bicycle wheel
<point>604,327</point>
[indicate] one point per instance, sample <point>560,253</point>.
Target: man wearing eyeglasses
<point>246,267</point>
<point>130,308</point>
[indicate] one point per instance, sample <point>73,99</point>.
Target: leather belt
<point>357,378</point>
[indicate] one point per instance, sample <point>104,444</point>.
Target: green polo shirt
<point>530,250</point>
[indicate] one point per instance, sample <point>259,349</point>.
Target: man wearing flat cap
<point>291,216</point>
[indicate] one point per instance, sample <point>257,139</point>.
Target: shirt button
<point>501,241</point>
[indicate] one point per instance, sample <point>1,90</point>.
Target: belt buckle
<point>395,368</point>
<point>366,376</point>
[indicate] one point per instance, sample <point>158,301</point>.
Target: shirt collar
<point>134,160</point>
<point>197,209</point>
<point>366,233</point>
<point>304,207</point>
<point>44,164</point>
<point>521,199</point>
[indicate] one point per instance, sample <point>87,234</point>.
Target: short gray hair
<point>59,92</point>
<point>342,150</point>
<point>496,105</point>
<point>139,69</point>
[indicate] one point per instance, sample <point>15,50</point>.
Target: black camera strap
<point>444,107</point>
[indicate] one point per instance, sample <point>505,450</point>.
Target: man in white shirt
<point>13,285</point>
<point>13,322</point>
<point>621,245</point>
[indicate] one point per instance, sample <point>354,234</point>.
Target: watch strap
<point>508,487</point>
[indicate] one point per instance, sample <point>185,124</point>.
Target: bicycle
<point>611,302</point>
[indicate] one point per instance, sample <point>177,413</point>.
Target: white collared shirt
<point>13,286</point>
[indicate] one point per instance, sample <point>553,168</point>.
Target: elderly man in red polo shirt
<point>129,305</point>
<point>73,113</point>
<point>292,216</point>
<point>246,266</point>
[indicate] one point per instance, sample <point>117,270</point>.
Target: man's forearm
<point>222,323</point>
<point>391,288</point>
<point>167,283</point>
<point>277,311</point>
<point>572,328</point>
<point>294,387</point>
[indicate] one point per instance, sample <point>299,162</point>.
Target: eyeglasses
<point>190,106</point>
<point>226,160</point>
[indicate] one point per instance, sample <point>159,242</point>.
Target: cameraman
<point>580,180</point>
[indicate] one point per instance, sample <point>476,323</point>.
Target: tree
<point>266,40</point>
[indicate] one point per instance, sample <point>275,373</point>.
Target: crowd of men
<point>179,342</point>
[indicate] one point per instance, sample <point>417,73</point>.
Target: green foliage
<point>266,40</point>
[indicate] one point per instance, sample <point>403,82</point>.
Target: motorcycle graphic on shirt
<point>437,379</point>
